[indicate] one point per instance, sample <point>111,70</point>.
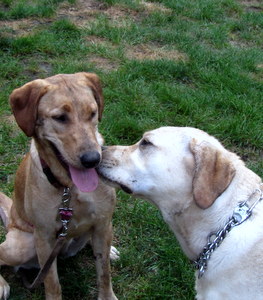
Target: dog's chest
<point>89,210</point>
<point>86,212</point>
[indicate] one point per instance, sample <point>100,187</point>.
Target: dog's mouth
<point>125,189</point>
<point>86,179</point>
<point>114,183</point>
<point>59,157</point>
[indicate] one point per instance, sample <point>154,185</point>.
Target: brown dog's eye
<point>92,115</point>
<point>61,118</point>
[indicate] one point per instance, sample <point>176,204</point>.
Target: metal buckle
<point>241,213</point>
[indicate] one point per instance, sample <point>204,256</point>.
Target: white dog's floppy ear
<point>24,103</point>
<point>213,173</point>
<point>95,85</point>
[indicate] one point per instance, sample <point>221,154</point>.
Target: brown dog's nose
<point>90,159</point>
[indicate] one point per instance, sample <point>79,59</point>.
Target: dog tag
<point>241,213</point>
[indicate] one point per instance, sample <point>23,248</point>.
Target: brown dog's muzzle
<point>90,159</point>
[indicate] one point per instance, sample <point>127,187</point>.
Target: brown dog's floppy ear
<point>213,173</point>
<point>24,103</point>
<point>97,91</point>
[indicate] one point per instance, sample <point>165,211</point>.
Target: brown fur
<point>62,112</point>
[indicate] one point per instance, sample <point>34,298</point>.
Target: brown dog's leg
<point>75,245</point>
<point>17,249</point>
<point>52,286</point>
<point>101,244</point>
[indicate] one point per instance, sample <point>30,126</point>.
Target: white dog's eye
<point>145,143</point>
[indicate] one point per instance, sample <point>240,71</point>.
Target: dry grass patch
<point>38,69</point>
<point>152,7</point>
<point>22,27</point>
<point>253,5</point>
<point>84,11</point>
<point>103,63</point>
<point>235,42</point>
<point>117,12</point>
<point>10,120</point>
<point>81,12</point>
<point>259,74</point>
<point>153,52</point>
<point>93,39</point>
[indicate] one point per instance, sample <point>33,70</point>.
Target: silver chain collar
<point>241,213</point>
<point>65,211</point>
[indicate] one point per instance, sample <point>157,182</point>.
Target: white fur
<point>162,172</point>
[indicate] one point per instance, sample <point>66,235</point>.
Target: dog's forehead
<point>69,85</point>
<point>167,135</point>
<point>170,137</point>
<point>71,92</point>
<point>67,79</point>
<point>68,96</point>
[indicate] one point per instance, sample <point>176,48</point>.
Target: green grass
<point>165,62</point>
<point>12,9</point>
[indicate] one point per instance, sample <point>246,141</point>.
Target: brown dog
<point>61,113</point>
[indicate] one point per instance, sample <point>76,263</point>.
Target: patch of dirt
<point>82,12</point>
<point>259,74</point>
<point>98,40</point>
<point>10,119</point>
<point>22,27</point>
<point>235,42</point>
<point>152,7</point>
<point>253,5</point>
<point>40,69</point>
<point>120,16</point>
<point>85,11</point>
<point>45,67</point>
<point>153,52</point>
<point>103,63</point>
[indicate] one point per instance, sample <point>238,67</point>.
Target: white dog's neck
<point>193,225</point>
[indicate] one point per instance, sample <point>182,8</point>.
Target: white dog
<point>210,200</point>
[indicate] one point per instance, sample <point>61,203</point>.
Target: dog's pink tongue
<point>85,179</point>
